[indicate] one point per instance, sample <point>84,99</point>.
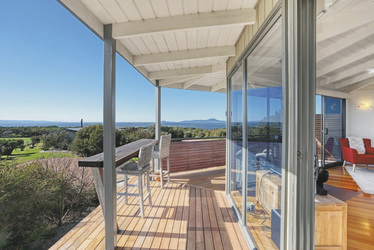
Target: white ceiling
<point>185,44</point>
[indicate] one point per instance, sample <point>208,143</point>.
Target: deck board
<point>183,216</point>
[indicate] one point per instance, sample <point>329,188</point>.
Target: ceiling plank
<point>184,22</point>
<point>184,55</point>
<point>353,80</point>
<point>191,82</point>
<point>124,52</point>
<point>345,43</point>
<point>261,79</point>
<point>359,85</point>
<point>219,86</point>
<point>333,93</point>
<point>348,60</point>
<point>347,73</point>
<point>82,13</point>
<point>199,88</point>
<point>178,79</point>
<point>357,18</point>
<point>185,72</point>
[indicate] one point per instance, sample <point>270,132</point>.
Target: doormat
<point>340,193</point>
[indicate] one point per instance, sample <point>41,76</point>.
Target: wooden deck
<point>183,216</point>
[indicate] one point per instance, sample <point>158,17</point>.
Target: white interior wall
<point>361,122</point>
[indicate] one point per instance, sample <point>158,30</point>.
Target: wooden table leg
<point>98,176</point>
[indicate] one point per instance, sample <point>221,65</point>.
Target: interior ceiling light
<point>371,70</point>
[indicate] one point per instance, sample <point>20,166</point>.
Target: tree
<point>57,139</point>
<point>8,146</point>
<point>20,144</point>
<point>88,141</point>
<point>35,140</point>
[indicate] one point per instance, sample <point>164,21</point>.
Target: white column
<point>158,111</point>
<point>158,118</point>
<point>299,124</point>
<point>109,139</point>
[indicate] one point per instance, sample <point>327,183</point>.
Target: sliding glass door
<point>236,142</point>
<point>255,149</point>
<point>330,127</point>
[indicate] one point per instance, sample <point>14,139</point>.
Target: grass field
<point>26,140</point>
<point>29,154</point>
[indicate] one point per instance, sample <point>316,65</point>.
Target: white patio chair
<point>163,152</point>
<point>139,169</point>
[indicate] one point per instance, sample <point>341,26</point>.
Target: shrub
<point>34,198</point>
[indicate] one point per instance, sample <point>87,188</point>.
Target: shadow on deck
<point>190,212</point>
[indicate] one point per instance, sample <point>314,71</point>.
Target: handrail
<point>197,138</point>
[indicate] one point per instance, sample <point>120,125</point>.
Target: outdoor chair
<point>139,169</point>
<point>163,152</point>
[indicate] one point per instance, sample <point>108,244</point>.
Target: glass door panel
<point>236,142</point>
<point>264,114</point>
<point>332,130</point>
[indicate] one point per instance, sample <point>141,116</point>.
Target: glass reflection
<point>236,137</point>
<point>264,113</point>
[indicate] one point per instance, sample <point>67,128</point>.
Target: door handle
<point>326,131</point>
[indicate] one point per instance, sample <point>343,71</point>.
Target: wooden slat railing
<point>188,155</point>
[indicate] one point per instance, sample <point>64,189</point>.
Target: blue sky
<point>51,68</point>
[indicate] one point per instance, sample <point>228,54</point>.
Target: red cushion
<point>365,159</point>
<point>370,151</point>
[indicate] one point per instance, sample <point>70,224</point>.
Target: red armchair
<point>351,155</point>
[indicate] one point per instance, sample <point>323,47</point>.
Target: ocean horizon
<point>184,124</point>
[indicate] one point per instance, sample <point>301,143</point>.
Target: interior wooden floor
<point>258,223</point>
<point>360,222</point>
<point>183,216</point>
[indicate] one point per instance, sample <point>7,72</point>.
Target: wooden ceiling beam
<point>218,86</point>
<point>346,73</point>
<point>359,85</point>
<point>184,22</point>
<point>225,51</point>
<point>353,80</point>
<point>345,43</point>
<point>346,61</point>
<point>348,21</point>
<point>192,82</point>
<point>185,72</point>
<point>177,79</point>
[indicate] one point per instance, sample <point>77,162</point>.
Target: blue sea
<point>27,123</point>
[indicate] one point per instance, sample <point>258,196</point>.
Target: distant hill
<point>211,120</point>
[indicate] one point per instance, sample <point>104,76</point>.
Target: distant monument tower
<point>81,123</point>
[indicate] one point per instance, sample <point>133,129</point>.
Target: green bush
<point>33,199</point>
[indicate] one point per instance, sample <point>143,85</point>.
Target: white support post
<point>299,71</point>
<point>158,111</point>
<point>228,135</point>
<point>109,139</point>
<point>158,121</point>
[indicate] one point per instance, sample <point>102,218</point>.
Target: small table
<point>123,154</point>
